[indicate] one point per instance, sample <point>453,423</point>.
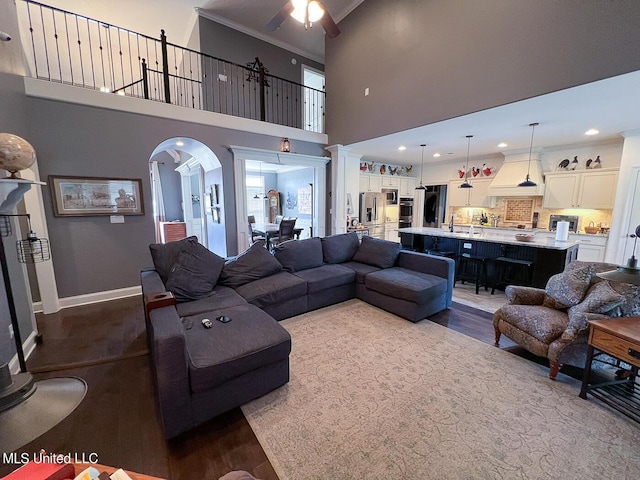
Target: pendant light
<point>257,195</point>
<point>422,187</point>
<point>466,183</point>
<point>527,181</point>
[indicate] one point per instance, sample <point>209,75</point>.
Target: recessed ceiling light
<point>436,154</point>
<point>502,145</point>
<point>180,143</point>
<point>402,147</point>
<point>592,131</point>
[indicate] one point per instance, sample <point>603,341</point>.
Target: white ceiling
<point>251,16</point>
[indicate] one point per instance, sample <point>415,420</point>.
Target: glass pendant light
<point>422,187</point>
<point>527,181</point>
<point>466,183</point>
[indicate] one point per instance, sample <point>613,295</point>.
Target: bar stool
<point>435,250</point>
<point>473,268</point>
<point>512,271</point>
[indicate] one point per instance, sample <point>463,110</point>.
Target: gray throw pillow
<point>377,252</point>
<point>254,263</point>
<point>165,255</point>
<point>195,273</point>
<point>340,248</point>
<point>300,254</point>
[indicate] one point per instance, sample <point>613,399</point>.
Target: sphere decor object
<point>15,153</point>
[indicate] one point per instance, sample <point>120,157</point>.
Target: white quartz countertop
<point>491,235</point>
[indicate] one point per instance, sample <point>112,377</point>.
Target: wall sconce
<point>285,145</point>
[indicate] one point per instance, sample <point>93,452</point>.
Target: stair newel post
<point>145,80</point>
<point>263,84</point>
<point>165,66</point>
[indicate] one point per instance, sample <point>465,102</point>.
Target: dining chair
<point>255,236</point>
<point>285,232</point>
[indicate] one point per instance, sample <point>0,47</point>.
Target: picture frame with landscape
<point>90,196</point>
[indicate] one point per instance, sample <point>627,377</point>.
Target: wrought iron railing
<point>76,50</point>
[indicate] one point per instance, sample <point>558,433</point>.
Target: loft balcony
<point>72,49</point>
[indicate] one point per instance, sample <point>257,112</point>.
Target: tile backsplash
<point>514,211</point>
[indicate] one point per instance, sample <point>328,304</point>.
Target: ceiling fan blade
<point>280,17</point>
<point>328,24</point>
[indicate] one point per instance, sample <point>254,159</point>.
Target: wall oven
<point>405,213</point>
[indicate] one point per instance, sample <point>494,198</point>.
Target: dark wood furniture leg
<point>554,368</point>
<point>587,372</point>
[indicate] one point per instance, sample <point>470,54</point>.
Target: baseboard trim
<point>97,297</point>
<point>28,346</point>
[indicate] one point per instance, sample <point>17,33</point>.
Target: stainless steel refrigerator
<point>372,213</point>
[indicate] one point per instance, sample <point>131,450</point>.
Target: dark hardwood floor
<point>118,420</point>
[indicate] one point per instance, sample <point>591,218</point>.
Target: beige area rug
<point>373,396</point>
<point>483,300</point>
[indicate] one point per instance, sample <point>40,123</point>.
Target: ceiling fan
<point>306,12</point>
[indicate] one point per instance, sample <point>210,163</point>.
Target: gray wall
<point>13,119</point>
<point>89,253</point>
<point>171,187</point>
<point>426,61</point>
<point>288,184</point>
<point>223,42</point>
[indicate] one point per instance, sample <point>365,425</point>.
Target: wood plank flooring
<point>118,420</point>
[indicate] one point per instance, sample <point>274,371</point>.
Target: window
<point>255,197</point>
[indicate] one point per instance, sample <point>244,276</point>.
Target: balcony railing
<point>76,50</point>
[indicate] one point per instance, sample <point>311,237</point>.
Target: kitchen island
<point>547,255</point>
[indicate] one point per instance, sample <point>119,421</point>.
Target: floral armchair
<point>553,322</point>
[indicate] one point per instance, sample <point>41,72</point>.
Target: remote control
<point>223,319</point>
<point>207,323</point>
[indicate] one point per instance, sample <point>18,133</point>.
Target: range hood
<point>514,171</point>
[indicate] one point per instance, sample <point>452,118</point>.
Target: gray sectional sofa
<point>202,372</point>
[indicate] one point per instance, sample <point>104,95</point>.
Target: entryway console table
<point>620,338</point>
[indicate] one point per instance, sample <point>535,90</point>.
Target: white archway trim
<point>319,165</point>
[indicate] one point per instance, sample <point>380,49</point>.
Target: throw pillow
<point>165,255</point>
<point>254,263</point>
<point>601,298</point>
<point>195,273</point>
<point>340,248</point>
<point>299,255</point>
<point>377,252</point>
<point>569,287</point>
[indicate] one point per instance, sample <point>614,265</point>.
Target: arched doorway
<point>186,179</point>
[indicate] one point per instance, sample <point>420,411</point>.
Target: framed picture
<point>88,196</point>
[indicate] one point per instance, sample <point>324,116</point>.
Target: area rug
<point>375,396</point>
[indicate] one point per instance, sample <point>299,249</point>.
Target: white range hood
<point>514,171</point>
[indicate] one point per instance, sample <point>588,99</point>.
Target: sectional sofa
<point>203,370</point>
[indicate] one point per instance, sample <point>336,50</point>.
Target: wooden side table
<point>620,338</point>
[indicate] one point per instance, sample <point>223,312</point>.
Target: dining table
<point>270,230</point>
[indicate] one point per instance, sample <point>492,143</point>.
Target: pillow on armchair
<point>601,298</point>
<point>568,288</point>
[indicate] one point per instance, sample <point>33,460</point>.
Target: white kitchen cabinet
<point>591,247</point>
<point>391,182</point>
<point>370,183</point>
<point>587,189</point>
<point>470,197</point>
<point>391,232</point>
<point>407,186</point>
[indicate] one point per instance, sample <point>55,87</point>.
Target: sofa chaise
<point>202,372</point>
